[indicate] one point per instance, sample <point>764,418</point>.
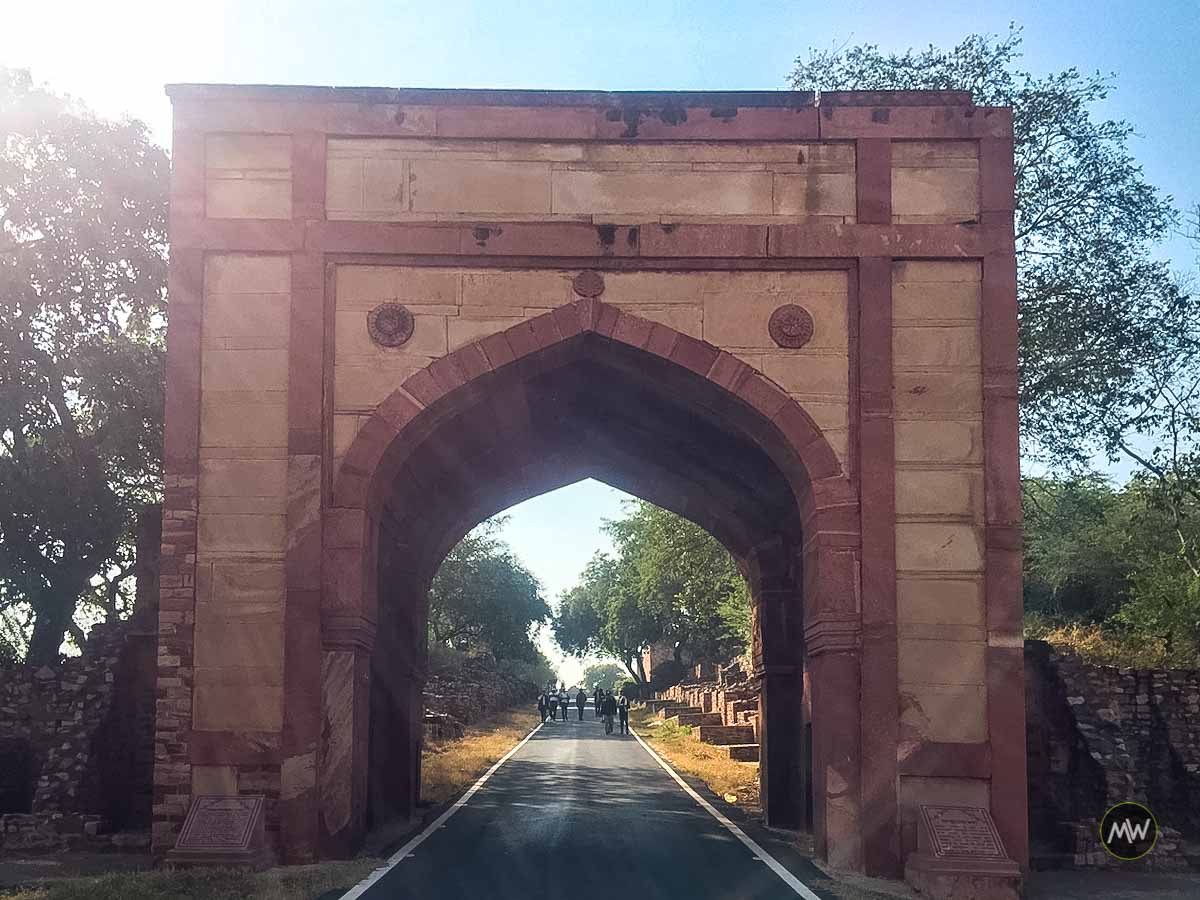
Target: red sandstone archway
<point>521,412</point>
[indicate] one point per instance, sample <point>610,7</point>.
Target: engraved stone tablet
<point>960,854</point>
<point>962,831</point>
<point>222,830</point>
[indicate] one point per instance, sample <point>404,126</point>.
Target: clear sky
<point>117,55</point>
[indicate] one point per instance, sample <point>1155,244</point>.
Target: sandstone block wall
<point>452,307</point>
<point>939,502</point>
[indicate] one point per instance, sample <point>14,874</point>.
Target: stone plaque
<point>962,831</point>
<point>225,830</point>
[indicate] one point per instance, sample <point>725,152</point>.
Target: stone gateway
<point>394,313</point>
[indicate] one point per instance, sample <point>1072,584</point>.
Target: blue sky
<point>116,56</point>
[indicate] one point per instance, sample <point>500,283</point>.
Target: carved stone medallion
<point>588,284</point>
<point>390,324</point>
<point>791,326</point>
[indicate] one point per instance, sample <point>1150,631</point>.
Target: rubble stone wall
<point>76,741</point>
<point>1100,735</point>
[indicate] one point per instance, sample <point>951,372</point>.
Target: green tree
<point>685,581</point>
<point>601,615</point>
<point>1114,567</point>
<point>483,599</point>
<point>1108,338</point>
<point>1075,565</point>
<point>83,247</point>
<point>603,674</point>
<point>670,581</point>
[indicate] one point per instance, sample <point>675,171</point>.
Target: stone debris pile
<point>470,689</point>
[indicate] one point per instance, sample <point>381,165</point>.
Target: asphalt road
<point>577,814</point>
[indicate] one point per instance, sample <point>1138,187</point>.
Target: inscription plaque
<point>962,831</point>
<point>222,829</point>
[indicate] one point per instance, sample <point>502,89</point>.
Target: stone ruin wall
<point>1100,735</point>
<point>76,743</point>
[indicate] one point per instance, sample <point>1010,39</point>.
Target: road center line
<point>396,858</point>
<point>775,865</point>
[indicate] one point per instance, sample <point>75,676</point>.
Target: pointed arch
<point>804,583</point>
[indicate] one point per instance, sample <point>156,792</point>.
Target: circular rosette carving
<point>390,324</point>
<point>588,284</point>
<point>791,326</point>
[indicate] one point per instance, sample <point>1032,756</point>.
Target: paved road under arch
<point>577,814</point>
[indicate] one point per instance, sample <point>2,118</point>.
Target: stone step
<point>725,734</point>
<point>668,711</point>
<point>656,705</point>
<point>745,705</point>
<point>696,719</point>
<point>742,752</point>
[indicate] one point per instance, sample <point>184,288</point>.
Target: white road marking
<point>407,850</point>
<point>777,867</point>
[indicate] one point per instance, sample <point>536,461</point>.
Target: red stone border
<point>1002,493</point>
<point>651,241</point>
<point>550,115</point>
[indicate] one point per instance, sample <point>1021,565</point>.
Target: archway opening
<point>672,428</point>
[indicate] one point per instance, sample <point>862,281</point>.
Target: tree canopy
<point>483,599</point>
<point>604,674</point>
<point>83,251</point>
<point>1113,566</point>
<point>669,581</point>
<point>1108,337</point>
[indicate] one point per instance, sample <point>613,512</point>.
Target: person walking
<point>542,706</point>
<point>598,700</point>
<point>580,702</point>
<point>623,713</point>
<point>564,703</point>
<point>609,709</point>
<point>553,701</point>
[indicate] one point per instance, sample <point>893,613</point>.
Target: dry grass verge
<point>290,883</point>
<point>676,744</point>
<point>450,767</point>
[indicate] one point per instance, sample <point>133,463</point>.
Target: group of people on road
<point>552,701</point>
<point>555,701</point>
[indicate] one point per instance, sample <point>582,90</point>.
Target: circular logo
<point>390,324</point>
<point>1128,831</point>
<point>791,326</point>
